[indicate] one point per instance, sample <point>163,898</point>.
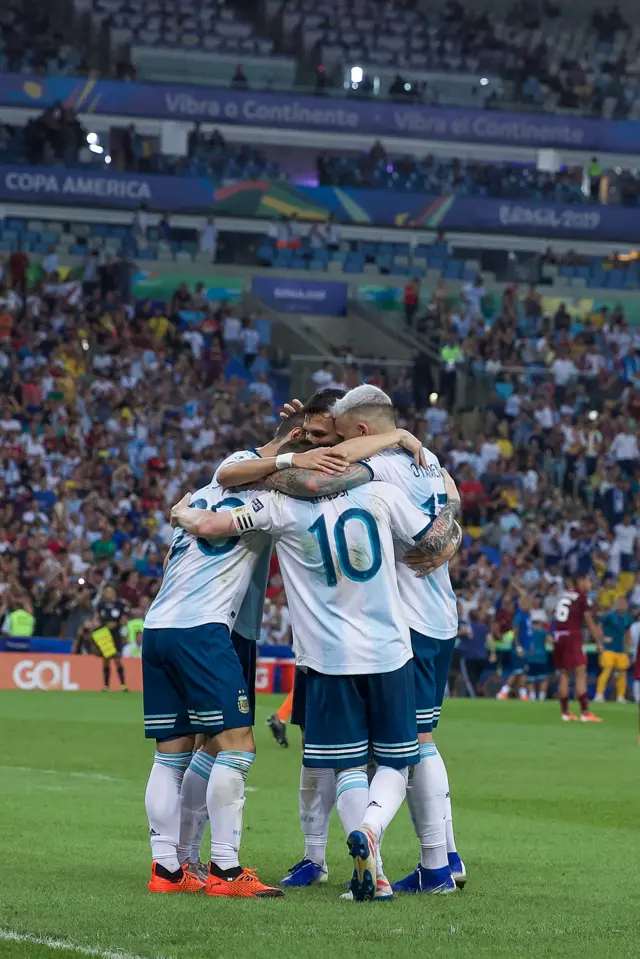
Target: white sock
<point>533,695</point>
<point>542,695</point>
<point>201,825</point>
<point>379,863</point>
<point>162,801</point>
<point>427,801</point>
<point>352,796</point>
<point>193,802</point>
<point>386,794</point>
<point>225,804</point>
<point>317,798</point>
<point>505,688</point>
<point>522,693</point>
<point>636,690</point>
<point>451,842</point>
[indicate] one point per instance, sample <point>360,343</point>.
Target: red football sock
<point>564,704</point>
<point>584,703</point>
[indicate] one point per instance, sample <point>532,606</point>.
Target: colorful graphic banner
<point>161,285</point>
<point>473,214</point>
<point>92,186</point>
<point>290,111</point>
<point>301,296</point>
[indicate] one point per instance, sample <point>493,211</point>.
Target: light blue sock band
<point>202,764</point>
<point>351,779</point>
<point>177,761</point>
<point>235,760</point>
<point>427,749</point>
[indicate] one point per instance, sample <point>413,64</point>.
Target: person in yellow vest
<point>111,615</point>
<point>133,631</point>
<point>19,620</point>
<point>594,171</point>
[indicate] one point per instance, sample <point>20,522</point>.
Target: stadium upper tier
<point>452,55</point>
<point>523,59</point>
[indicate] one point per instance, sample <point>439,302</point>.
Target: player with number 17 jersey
<point>430,603</point>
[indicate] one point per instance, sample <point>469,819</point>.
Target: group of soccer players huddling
<point>363,521</point>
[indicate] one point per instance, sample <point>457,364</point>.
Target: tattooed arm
<point>443,531</point>
<point>307,484</point>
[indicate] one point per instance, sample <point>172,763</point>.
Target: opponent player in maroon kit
<point>573,612</point>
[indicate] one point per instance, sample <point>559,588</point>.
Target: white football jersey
<point>429,601</point>
<point>337,560</point>
<point>205,582</point>
<point>248,622</point>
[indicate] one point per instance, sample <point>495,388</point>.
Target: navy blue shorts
<point>346,713</point>
<point>517,664</point>
<point>432,659</point>
<point>538,671</point>
<point>247,654</point>
<point>192,682</point>
<point>299,705</point>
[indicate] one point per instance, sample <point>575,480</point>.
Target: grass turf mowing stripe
<point>65,945</point>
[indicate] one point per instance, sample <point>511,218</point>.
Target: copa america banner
<point>96,187</point>
<point>290,111</point>
<point>301,296</point>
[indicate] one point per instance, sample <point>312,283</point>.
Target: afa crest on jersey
<point>243,703</point>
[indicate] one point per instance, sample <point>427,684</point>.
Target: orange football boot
<point>245,886</point>
<point>188,882</point>
<point>590,718</point>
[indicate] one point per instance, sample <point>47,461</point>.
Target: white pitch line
<point>65,945</point>
<point>100,777</point>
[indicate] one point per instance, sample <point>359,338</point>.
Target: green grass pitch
<point>547,818</point>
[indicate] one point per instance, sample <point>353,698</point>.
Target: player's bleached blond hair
<point>363,400</point>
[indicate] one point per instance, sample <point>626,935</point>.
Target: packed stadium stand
<point>512,351</point>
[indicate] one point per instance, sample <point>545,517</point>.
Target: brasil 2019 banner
<point>288,111</point>
<point>264,199</point>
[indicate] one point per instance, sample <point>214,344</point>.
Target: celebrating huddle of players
<point>363,521</point>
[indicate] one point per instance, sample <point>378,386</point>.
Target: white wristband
<point>284,461</point>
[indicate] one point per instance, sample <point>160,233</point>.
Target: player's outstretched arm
<point>307,484</point>
<point>253,471</point>
<point>202,523</point>
<point>362,447</point>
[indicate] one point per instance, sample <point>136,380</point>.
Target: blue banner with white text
<point>301,296</point>
<point>95,187</point>
<point>92,186</point>
<point>289,111</point>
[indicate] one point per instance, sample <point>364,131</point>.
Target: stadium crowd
<point>112,408</point>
